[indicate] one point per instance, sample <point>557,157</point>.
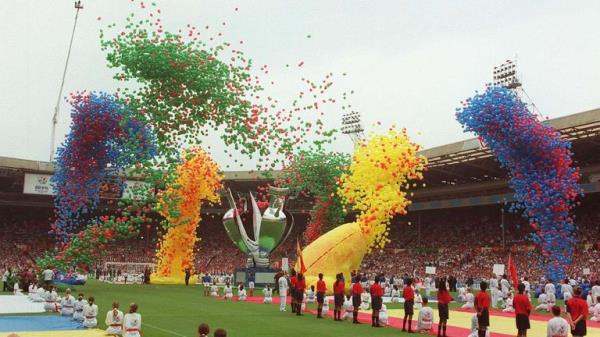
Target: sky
<point>409,63</point>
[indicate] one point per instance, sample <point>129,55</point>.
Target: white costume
<point>565,289</point>
<point>549,289</point>
<point>462,294</point>
<point>67,305</point>
<point>242,295</point>
<point>509,305</point>
<point>283,288</point>
<point>505,286</point>
<point>214,290</point>
<point>325,310</point>
<point>595,293</point>
<point>90,312</point>
<point>17,290</point>
<point>348,308</point>
<point>383,315</point>
<point>228,292</point>
<point>469,301</point>
<point>310,296</point>
<point>595,312</point>
<point>132,325</point>
<point>475,327</point>
<point>251,285</point>
<point>365,301</point>
<point>558,327</point>
<point>567,296</point>
<point>31,290</point>
<point>428,286</point>
<point>387,292</point>
<point>114,322</point>
<point>50,297</point>
<point>497,298</point>
<point>78,310</point>
<point>395,296</point>
<point>418,301</point>
<point>494,292</point>
<point>543,302</point>
<point>425,319</point>
<point>268,296</point>
<point>39,295</point>
<point>551,301</point>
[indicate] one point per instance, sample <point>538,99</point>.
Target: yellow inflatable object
<point>381,168</point>
<point>341,250</point>
<point>197,180</point>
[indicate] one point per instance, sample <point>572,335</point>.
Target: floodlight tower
<point>78,6</point>
<point>352,126</point>
<point>505,75</point>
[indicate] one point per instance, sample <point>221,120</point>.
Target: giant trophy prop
<point>271,229</point>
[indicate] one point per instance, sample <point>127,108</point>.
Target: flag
<point>513,271</point>
<point>300,259</point>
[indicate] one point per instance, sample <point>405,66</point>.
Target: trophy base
<point>260,276</point>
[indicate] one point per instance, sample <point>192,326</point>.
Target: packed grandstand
<point>463,202</point>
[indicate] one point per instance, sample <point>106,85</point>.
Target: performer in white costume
<point>268,292</point>
<point>67,304</point>
<point>132,322</point>
<point>78,308</point>
<point>283,289</point>
<point>214,290</point>
<point>90,312</point>
<point>475,328</point>
<point>557,326</point>
<point>51,297</point>
<point>418,300</point>
<point>543,301</point>
<point>365,300</point>
<point>310,295</point>
<point>228,291</point>
<point>383,315</point>
<point>425,318</point>
<point>114,320</point>
<point>509,304</point>
<point>469,300</point>
<point>242,293</point>
<point>395,295</point>
<point>348,308</point>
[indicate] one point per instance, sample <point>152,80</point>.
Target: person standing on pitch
<point>578,311</point>
<point>293,281</point>
<point>482,306</point>
<point>522,310</point>
<point>376,302</point>
<point>321,289</point>
<point>408,293</point>
<point>188,274</point>
<point>338,295</point>
<point>444,298</point>
<point>300,288</point>
<point>283,289</point>
<point>357,290</point>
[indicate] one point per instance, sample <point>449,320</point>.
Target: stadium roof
<point>464,170</point>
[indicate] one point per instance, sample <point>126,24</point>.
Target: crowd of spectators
<point>461,242</point>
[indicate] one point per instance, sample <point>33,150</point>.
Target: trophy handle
<point>252,245</point>
<point>256,218</point>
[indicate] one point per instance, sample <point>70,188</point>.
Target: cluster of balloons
<point>197,180</point>
<point>379,174</point>
<point>540,167</point>
<point>192,84</point>
<point>103,141</point>
<point>316,172</point>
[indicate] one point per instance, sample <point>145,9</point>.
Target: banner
<point>498,269</point>
<point>285,264</point>
<point>430,270</point>
<point>37,184</point>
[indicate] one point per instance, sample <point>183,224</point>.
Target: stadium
<point>197,193</point>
